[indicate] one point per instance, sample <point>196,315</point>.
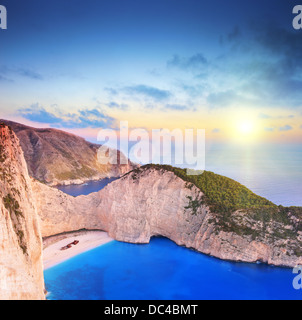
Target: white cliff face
<point>21,269</point>
<point>155,203</point>
<point>61,213</point>
<point>129,210</point>
<point>135,209</point>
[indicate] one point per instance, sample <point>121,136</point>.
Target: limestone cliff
<point>57,157</point>
<point>156,202</point>
<point>21,269</point>
<point>209,213</point>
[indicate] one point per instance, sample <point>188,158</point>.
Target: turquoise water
<point>162,270</point>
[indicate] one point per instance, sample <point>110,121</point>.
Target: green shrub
<point>222,194</point>
<point>12,205</point>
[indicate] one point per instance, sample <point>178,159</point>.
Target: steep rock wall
<point>21,269</point>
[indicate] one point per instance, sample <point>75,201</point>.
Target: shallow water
<point>163,270</point>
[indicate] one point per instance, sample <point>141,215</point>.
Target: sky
<point>230,67</point>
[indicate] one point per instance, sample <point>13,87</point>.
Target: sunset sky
<point>231,67</point>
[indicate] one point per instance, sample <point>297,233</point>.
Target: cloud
<point>274,68</point>
<point>85,118</point>
<point>38,114</point>
<point>225,99</point>
<point>115,105</point>
<point>286,128</point>
<point>3,78</point>
<point>283,43</point>
<point>192,90</point>
<point>264,116</point>
<point>176,107</point>
<point>111,91</point>
<point>29,74</point>
<point>260,66</point>
<point>235,34</point>
<point>269,129</point>
<point>262,63</point>
<point>149,92</point>
<point>195,62</point>
<point>23,72</point>
<point>88,113</point>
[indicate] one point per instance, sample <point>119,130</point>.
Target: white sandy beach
<point>52,255</point>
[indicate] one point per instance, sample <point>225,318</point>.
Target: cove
<point>162,270</point>
<point>86,188</point>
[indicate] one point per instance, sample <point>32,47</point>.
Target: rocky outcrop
<point>21,269</point>
<point>56,157</point>
<point>158,203</point>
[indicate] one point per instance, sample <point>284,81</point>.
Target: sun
<point>246,127</point>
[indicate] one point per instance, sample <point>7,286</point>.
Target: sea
<point>161,270</point>
<point>86,188</point>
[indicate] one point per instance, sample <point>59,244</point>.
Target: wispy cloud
<point>29,74</point>
<point>286,128</point>
<point>38,114</point>
<point>3,78</point>
<point>193,63</point>
<point>11,72</point>
<point>269,63</point>
<point>148,91</point>
<point>111,91</point>
<point>193,90</point>
<point>84,118</point>
<point>266,116</point>
<point>120,106</point>
<point>259,66</point>
<point>176,107</point>
<point>235,34</point>
<point>226,99</point>
<point>268,129</point>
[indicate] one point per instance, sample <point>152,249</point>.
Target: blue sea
<point>162,270</point>
<point>271,171</point>
<point>86,188</point>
